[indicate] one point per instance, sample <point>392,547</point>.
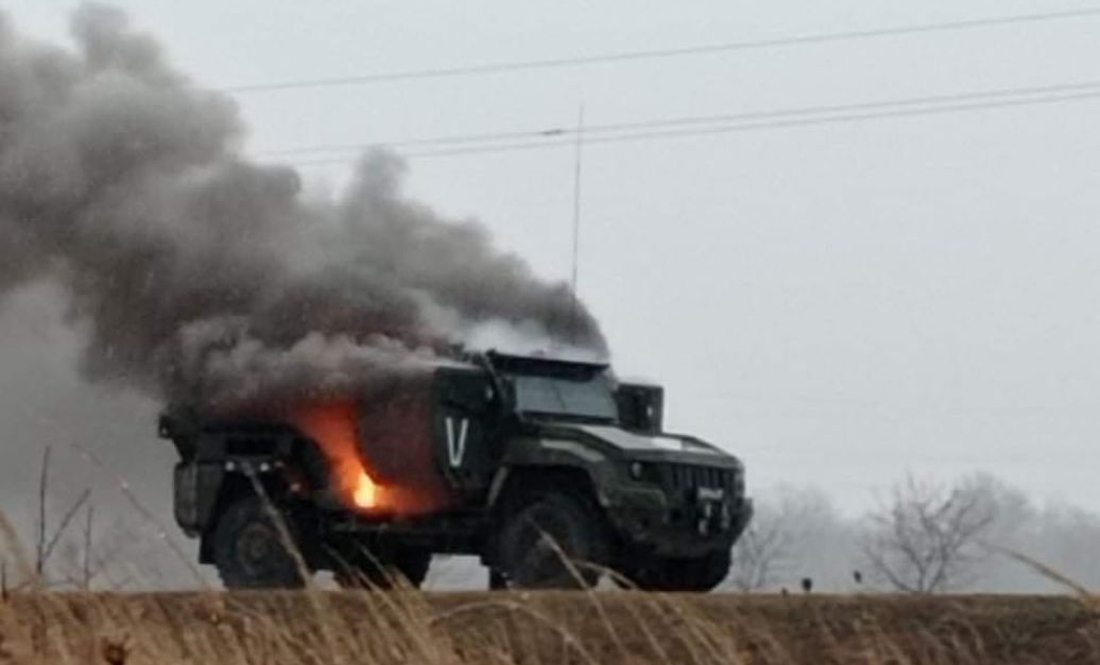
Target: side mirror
<point>641,407</point>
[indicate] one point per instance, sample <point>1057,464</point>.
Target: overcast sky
<point>838,304</point>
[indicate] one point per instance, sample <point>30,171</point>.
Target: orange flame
<point>332,426</point>
<point>366,491</point>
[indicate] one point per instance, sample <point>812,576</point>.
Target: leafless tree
<point>86,562</point>
<point>45,542</point>
<point>928,537</point>
<point>40,526</point>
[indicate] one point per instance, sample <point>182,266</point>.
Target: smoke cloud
<point>195,274</point>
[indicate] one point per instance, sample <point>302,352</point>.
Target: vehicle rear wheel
<point>370,569</point>
<point>497,580</point>
<point>552,541</point>
<point>251,550</point>
<point>413,564</point>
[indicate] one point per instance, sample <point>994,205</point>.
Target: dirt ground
<point>559,627</point>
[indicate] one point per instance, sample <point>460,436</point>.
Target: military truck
<point>552,471</point>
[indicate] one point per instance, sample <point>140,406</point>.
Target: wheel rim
<point>256,550</point>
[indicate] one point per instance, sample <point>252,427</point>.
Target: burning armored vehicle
<point>549,470</point>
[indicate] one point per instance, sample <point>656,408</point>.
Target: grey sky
<point>838,304</point>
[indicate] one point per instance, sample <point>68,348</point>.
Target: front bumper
<point>684,526</point>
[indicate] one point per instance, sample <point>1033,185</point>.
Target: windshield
<point>589,398</point>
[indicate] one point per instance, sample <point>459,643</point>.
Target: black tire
<point>551,541</point>
<point>361,569</point>
<point>497,581</point>
<point>413,564</point>
<point>694,575</point>
<point>250,549</point>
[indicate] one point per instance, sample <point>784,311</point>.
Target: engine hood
<point>627,440</point>
<point>618,442</point>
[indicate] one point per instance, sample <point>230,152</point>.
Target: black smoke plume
<point>197,274</point>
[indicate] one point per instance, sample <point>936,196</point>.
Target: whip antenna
<point>576,222</point>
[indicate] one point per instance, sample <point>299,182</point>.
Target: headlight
<point>637,470</point>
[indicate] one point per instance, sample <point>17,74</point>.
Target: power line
<point>778,120</point>
<point>657,54</point>
<point>407,143</point>
<point>776,124</point>
<point>564,133</point>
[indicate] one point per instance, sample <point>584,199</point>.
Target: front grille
<point>688,477</point>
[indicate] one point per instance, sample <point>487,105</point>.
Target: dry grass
<point>405,626</point>
<point>608,627</point>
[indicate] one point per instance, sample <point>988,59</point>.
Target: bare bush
<point>928,537</point>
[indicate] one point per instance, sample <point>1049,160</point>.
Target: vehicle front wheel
<point>551,540</point>
<point>251,550</point>
<point>689,574</point>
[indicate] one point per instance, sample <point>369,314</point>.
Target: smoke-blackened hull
<point>397,440</point>
<point>380,448</point>
<point>197,275</point>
